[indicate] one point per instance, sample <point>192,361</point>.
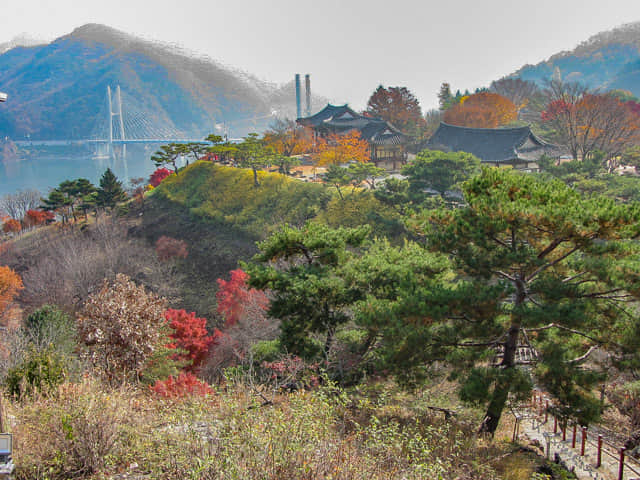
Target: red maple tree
<point>236,299</point>
<point>158,176</point>
<point>190,334</point>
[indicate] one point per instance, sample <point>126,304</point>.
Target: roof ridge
<point>508,129</point>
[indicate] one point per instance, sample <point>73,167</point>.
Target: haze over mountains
<point>59,90</point>
<point>606,61</point>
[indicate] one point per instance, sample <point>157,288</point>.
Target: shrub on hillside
<point>33,218</point>
<point>120,327</point>
<point>40,371</point>
<point>11,226</point>
<point>158,176</point>
<point>168,247</point>
<point>50,326</point>
<point>184,385</point>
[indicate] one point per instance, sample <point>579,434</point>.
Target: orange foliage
<point>338,149</point>
<point>10,285</point>
<point>482,110</point>
<point>11,226</point>
<point>286,138</point>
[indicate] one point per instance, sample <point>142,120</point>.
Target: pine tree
<point>110,192</point>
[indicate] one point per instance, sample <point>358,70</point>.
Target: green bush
<point>51,326</point>
<point>40,371</point>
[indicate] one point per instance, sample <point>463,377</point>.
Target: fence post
<point>546,411</point>
<point>621,466</point>
<point>573,438</point>
<point>584,440</point>
<point>599,462</point>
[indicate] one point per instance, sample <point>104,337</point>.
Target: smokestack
<point>307,86</point>
<point>298,106</point>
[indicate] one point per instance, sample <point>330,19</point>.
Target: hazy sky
<point>348,46</point>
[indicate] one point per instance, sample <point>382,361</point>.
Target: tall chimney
<point>298,106</point>
<point>307,86</point>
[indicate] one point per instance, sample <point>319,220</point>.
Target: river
<point>44,170</point>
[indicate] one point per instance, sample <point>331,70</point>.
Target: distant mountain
<point>608,60</point>
<point>22,40</point>
<point>59,90</point>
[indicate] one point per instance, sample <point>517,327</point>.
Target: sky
<point>348,46</point>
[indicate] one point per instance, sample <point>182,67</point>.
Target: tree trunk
<point>502,386</point>
<point>255,178</point>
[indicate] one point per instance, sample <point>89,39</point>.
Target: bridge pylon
<point>115,113</point>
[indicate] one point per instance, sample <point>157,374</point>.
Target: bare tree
<point>519,91</point>
<point>16,204</point>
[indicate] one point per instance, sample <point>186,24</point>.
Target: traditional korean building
<point>516,147</point>
<point>387,143</point>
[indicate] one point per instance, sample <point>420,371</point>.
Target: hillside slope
<point>59,90</point>
<point>608,60</point>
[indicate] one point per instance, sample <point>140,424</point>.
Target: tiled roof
<point>342,119</point>
<point>499,145</point>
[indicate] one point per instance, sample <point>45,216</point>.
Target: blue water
<point>44,172</point>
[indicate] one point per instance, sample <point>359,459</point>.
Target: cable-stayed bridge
<point>118,127</point>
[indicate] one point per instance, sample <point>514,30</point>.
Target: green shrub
<point>40,371</point>
<point>51,326</point>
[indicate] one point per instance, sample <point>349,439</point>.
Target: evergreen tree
<point>110,192</point>
<point>538,265</point>
<point>310,294</point>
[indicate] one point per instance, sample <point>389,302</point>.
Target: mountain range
<point>58,90</point>
<point>606,61</point>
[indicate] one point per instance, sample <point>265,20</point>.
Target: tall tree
<point>398,106</point>
<point>538,265</point>
<point>110,192</point>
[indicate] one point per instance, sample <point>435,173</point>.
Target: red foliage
<point>555,109</point>
<point>11,226</point>
<point>185,384</point>
<point>38,217</point>
<point>236,300</point>
<point>169,247</point>
<point>158,176</point>
<point>190,334</point>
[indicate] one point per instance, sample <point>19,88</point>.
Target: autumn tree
<point>236,300</point>
<point>11,225</point>
<point>398,106</point>
<point>158,176</point>
<point>287,138</point>
<point>538,265</point>
<point>121,326</point>
<point>35,217</point>
<point>337,149</point>
<point>189,334</point>
<point>10,285</point>
<point>585,122</point>
<point>482,110</point>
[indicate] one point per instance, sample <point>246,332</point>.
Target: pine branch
<point>551,264</point>
<point>582,358</point>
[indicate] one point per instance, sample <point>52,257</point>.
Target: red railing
<point>601,445</point>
